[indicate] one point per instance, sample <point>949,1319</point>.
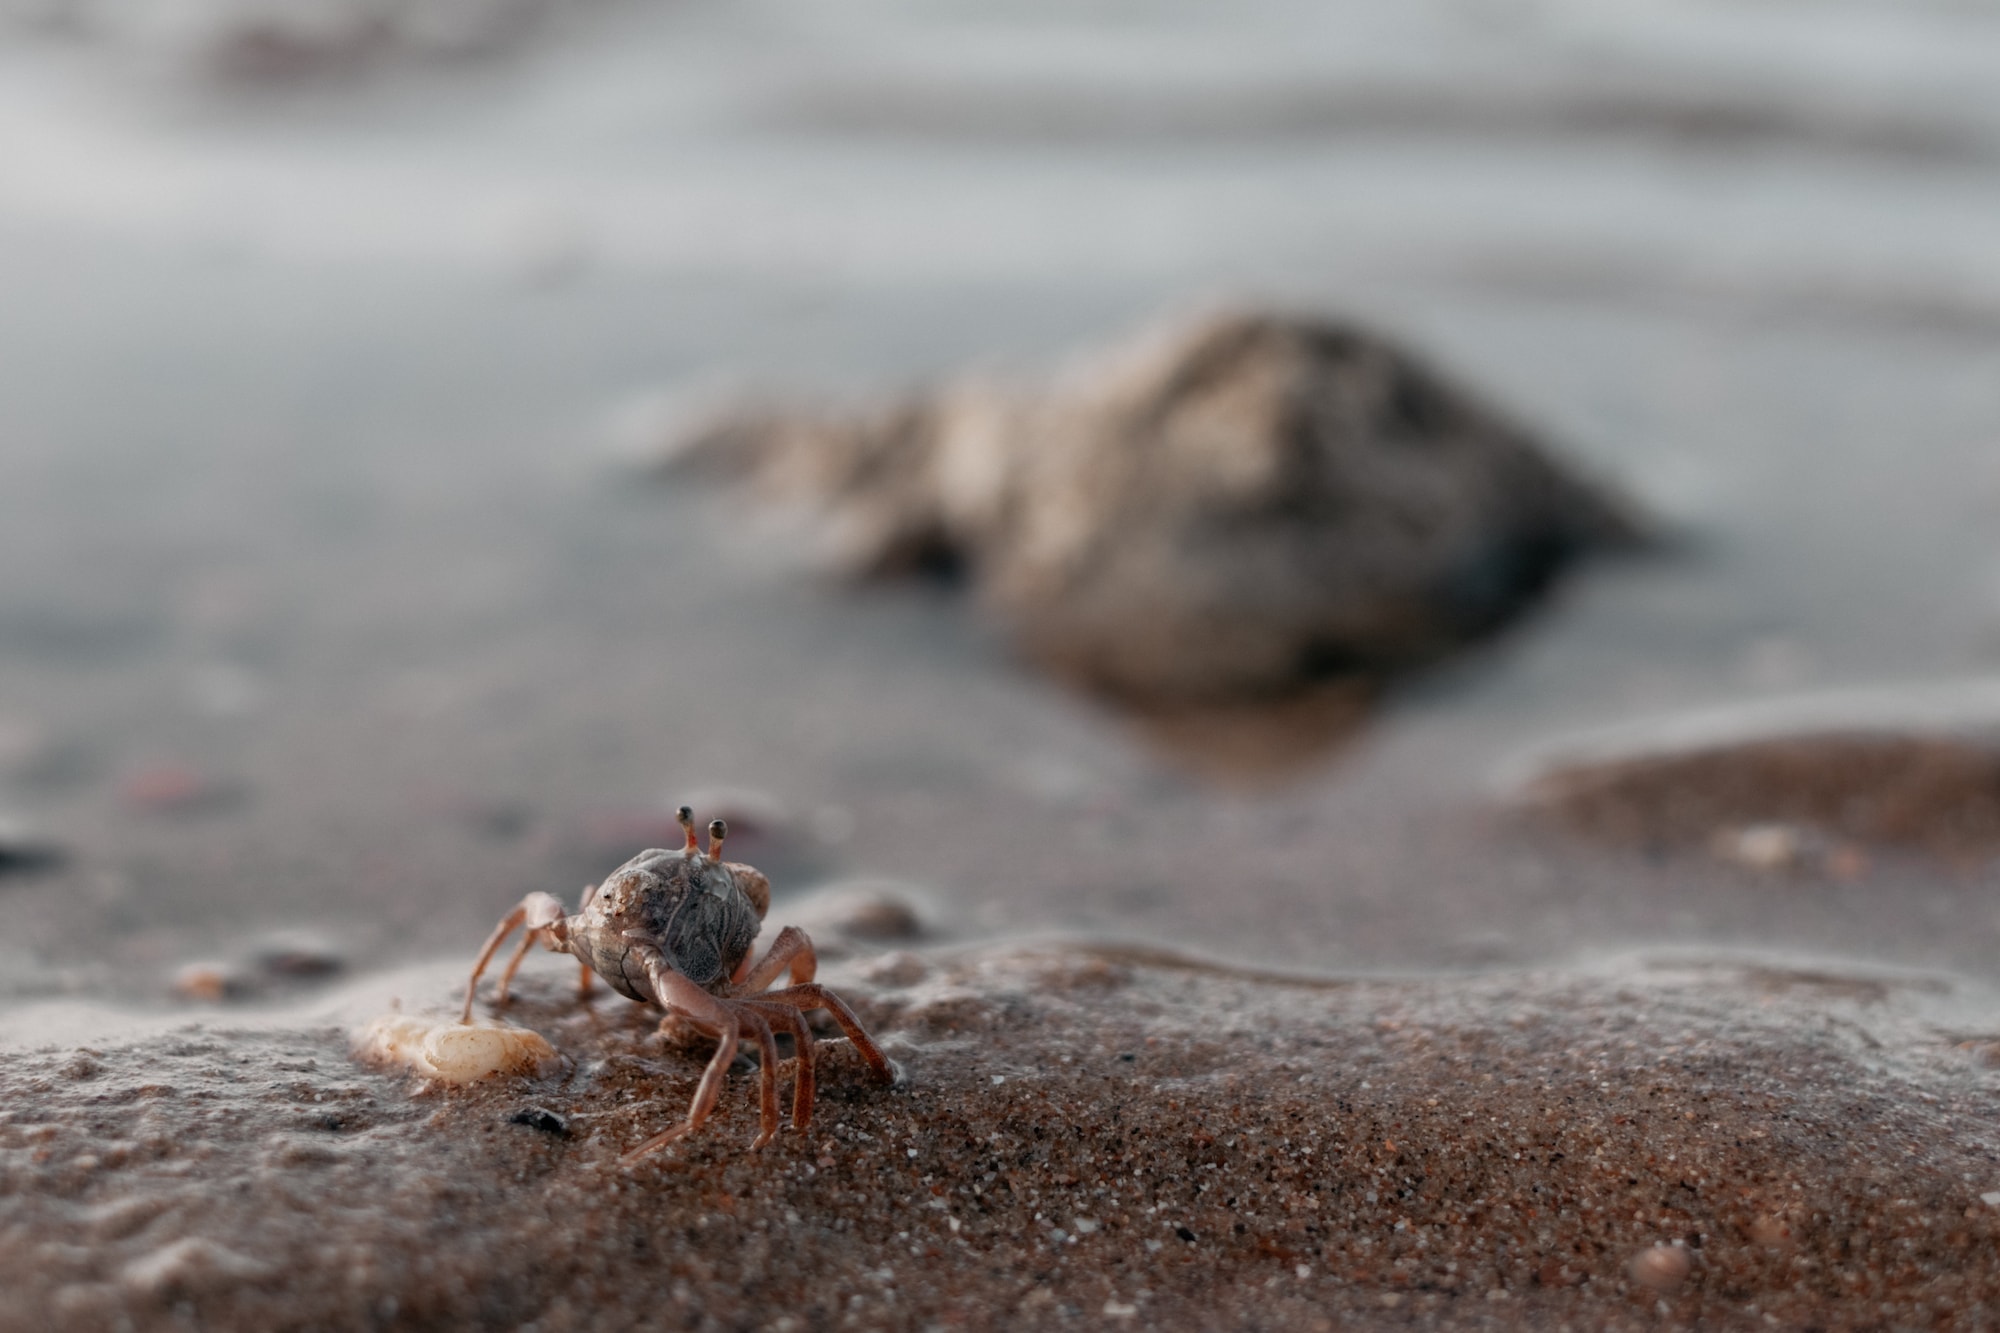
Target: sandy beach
<point>342,603</point>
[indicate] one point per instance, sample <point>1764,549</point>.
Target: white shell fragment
<point>451,1051</point>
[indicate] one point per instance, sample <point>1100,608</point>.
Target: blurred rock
<point>875,911</point>
<point>1230,509</point>
<point>297,960</point>
<point>24,852</point>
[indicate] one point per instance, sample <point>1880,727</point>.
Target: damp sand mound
<point>1227,510</point>
<point>1812,782</point>
<point>1085,1134</point>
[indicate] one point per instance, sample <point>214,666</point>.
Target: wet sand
<point>1085,1134</point>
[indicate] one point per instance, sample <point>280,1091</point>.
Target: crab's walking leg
<point>674,991</point>
<point>785,1018</point>
<point>754,1026</point>
<point>584,974</point>
<point>539,912</point>
<point>816,996</point>
<point>528,938</point>
<point>792,949</point>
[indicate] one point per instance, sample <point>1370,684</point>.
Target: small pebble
<point>299,963</point>
<point>536,1117</point>
<point>210,983</point>
<point>1762,846</point>
<point>1659,1267</point>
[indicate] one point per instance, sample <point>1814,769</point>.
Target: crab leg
<point>673,991</point>
<point>753,1025</point>
<point>790,1020</point>
<point>816,996</point>
<point>792,949</point>
<point>528,938</point>
<point>539,912</point>
<point>584,975</point>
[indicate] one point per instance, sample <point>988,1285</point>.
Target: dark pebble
<point>26,857</point>
<point>298,964</point>
<point>535,1117</point>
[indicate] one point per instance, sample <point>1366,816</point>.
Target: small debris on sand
<point>1228,510</point>
<point>454,1052</point>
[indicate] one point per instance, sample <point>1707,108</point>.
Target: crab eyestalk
<point>686,816</point>
<point>717,830</point>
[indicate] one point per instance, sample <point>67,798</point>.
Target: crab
<point>675,929</point>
